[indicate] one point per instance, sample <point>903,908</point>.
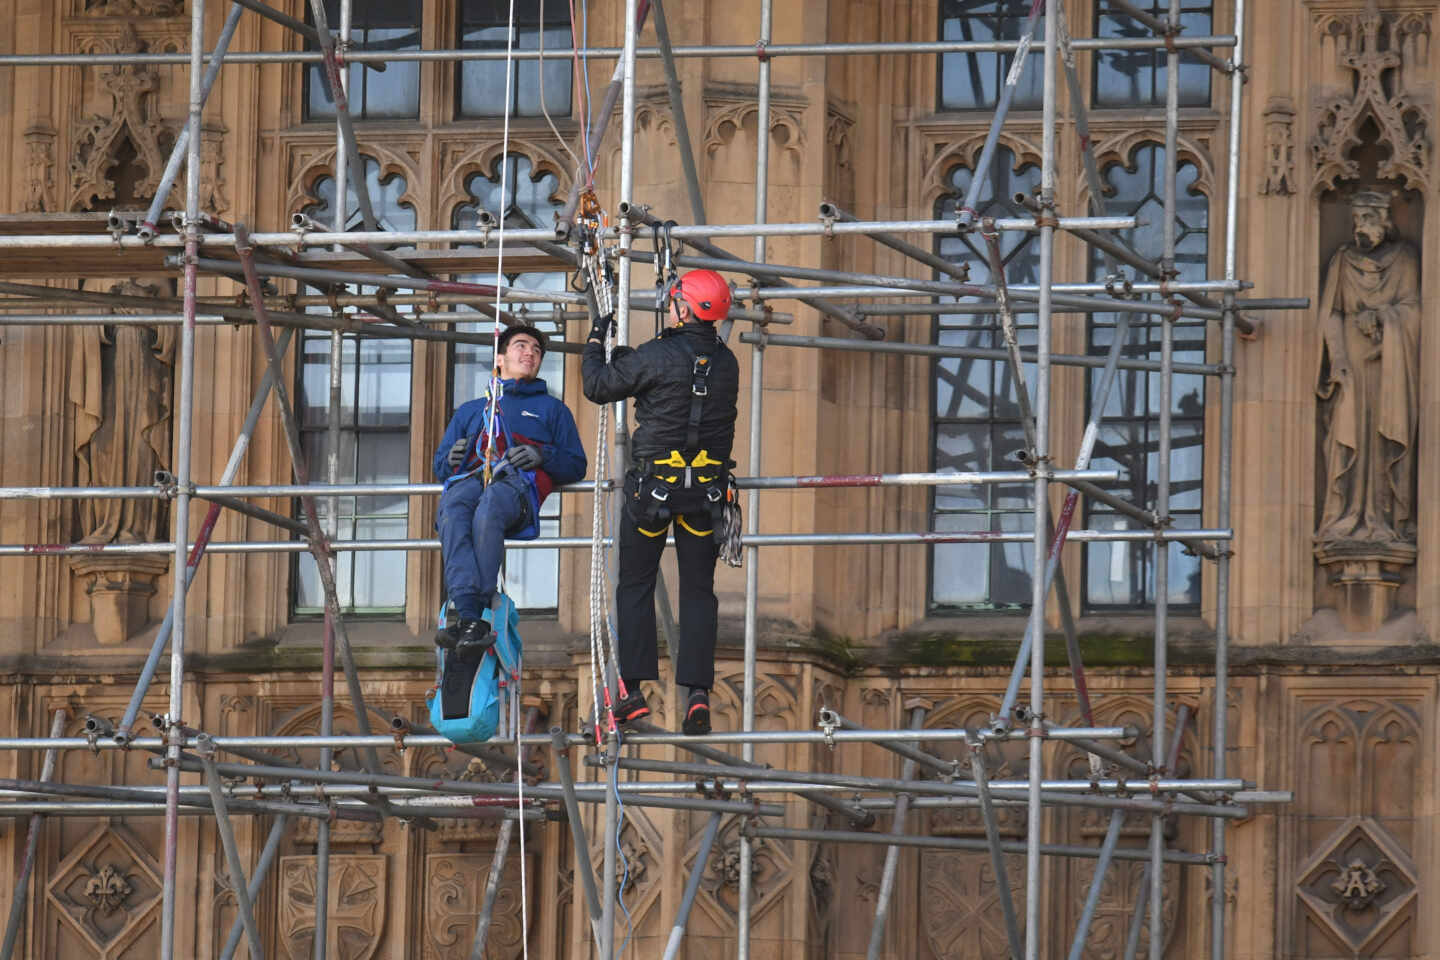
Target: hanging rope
<point>496,390</point>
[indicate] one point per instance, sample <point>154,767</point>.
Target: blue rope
<point>620,851</point>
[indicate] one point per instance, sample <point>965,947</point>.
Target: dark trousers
<point>473,520</point>
<point>639,565</point>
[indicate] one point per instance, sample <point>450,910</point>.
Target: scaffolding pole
<point>351,794</point>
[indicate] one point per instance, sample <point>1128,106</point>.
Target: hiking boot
<point>473,638</point>
<point>631,707</point>
<point>697,714</point>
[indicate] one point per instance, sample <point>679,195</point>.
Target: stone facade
<point>1333,692</point>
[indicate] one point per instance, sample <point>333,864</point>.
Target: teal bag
<point>496,679</point>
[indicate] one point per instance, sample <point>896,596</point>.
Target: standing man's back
<point>685,383</point>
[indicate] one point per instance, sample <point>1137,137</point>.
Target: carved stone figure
<point>1369,382</point>
<point>120,387</point>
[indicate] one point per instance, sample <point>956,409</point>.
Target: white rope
<point>490,445</point>
<point>599,601</point>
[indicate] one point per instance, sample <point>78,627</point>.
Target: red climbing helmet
<point>706,292</point>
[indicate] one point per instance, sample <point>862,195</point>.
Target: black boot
<point>697,714</point>
<point>473,638</point>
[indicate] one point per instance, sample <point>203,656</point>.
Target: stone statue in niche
<point>119,390</point>
<point>1368,387</point>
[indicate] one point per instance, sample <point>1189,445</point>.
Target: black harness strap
<point>699,371</point>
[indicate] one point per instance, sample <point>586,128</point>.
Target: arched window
<point>1121,575</point>
<point>972,81</point>
<point>1137,78</point>
<point>391,94</point>
<point>531,576</point>
<point>977,416</point>
<point>374,429</point>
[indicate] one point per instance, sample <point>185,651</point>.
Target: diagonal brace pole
<point>319,546</point>
<point>492,889</point>
<point>692,885</point>
<point>241,885</point>
<point>997,854</point>
<point>892,853</point>
<point>257,880</point>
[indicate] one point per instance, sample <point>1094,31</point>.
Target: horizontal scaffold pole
<point>706,51</point>
<point>353,741</point>
<point>1184,535</point>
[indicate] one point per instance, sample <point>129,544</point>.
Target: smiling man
<point>536,448</point>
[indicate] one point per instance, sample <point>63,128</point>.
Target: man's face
<point>1371,226</point>
<point>521,358</point>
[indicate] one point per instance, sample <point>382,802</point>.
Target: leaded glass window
<point>977,422</point>
<point>1121,575</point>
<point>391,94</point>
<point>374,432</point>
<point>972,81</point>
<point>531,576</point>
<point>1138,78</point>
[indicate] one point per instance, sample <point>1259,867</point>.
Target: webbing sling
<point>699,371</point>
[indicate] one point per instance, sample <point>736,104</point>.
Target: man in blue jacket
<point>534,435</point>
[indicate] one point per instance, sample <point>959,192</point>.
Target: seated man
<point>474,519</point>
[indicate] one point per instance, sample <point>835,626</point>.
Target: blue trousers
<point>473,522</point>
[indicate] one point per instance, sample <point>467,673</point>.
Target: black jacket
<point>658,374</point>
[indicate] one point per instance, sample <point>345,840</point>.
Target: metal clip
<point>829,722</point>
<point>95,728</point>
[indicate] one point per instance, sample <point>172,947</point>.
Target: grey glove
<point>456,456</point>
<point>526,456</point>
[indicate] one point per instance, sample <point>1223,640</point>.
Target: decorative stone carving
<point>839,156</point>
<point>107,890</point>
<point>1279,177</point>
<point>134,8</point>
<point>39,168</point>
<point>960,915</point>
<point>356,919</point>
<point>1358,884</point>
<point>454,892</point>
<point>119,389</point>
<point>1369,387</point>
<point>1388,56</point>
<point>134,119</point>
<point>1360,792</point>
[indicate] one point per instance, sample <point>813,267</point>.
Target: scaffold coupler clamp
<point>95,728</point>
<point>827,218</point>
<point>117,225</point>
<point>829,722</point>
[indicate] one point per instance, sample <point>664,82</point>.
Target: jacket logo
<point>530,413</point>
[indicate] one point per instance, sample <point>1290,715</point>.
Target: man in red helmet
<point>685,383</point>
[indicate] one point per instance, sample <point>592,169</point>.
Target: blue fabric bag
<point>496,679</point>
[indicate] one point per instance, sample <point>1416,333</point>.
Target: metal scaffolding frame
<point>717,782</point>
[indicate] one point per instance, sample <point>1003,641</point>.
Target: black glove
<point>601,326</point>
<point>526,456</point>
<point>456,456</point>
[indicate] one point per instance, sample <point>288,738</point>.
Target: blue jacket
<point>532,416</point>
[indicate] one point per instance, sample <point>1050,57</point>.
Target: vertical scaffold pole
<point>1162,488</point>
<point>622,325</point>
<point>332,473</point>
<point>1220,734</point>
<point>752,504</point>
<point>1038,592</point>
<point>185,401</point>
